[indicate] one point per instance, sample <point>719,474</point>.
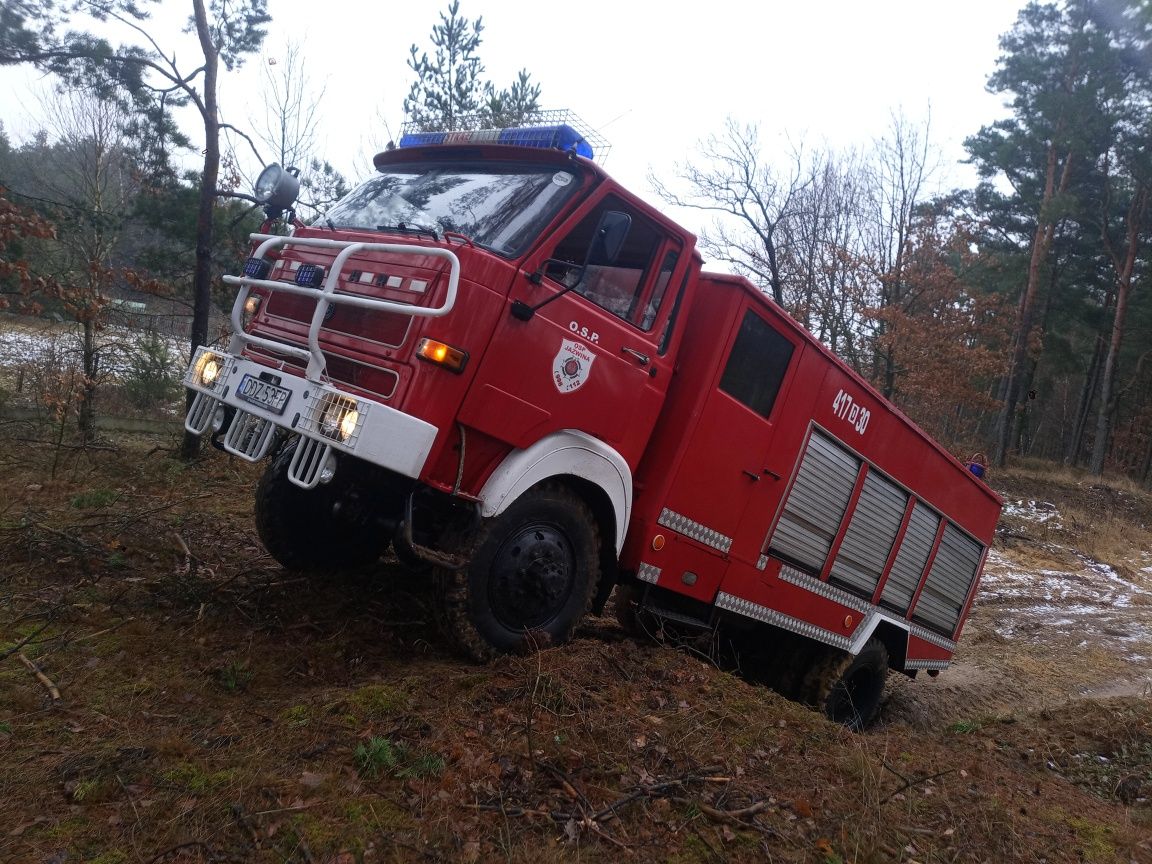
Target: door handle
<point>641,358</point>
<point>754,477</point>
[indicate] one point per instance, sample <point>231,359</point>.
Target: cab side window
<point>627,287</point>
<point>755,368</point>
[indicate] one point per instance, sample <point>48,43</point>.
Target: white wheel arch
<point>566,452</point>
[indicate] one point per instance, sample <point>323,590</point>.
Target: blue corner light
<point>310,275</point>
<point>257,268</point>
<point>562,137</point>
<point>551,130</point>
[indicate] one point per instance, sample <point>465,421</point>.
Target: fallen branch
<point>16,648</point>
<point>656,790</point>
<point>554,815</point>
<point>105,630</point>
<point>190,844</point>
<point>52,689</point>
<point>909,783</point>
<point>659,790</point>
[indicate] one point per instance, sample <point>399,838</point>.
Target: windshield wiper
<point>407,228</point>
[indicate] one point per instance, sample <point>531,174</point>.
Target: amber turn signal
<point>658,542</point>
<point>452,359</point>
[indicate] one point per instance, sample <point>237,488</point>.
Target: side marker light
<point>452,359</point>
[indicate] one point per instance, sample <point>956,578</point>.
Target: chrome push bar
<point>328,294</point>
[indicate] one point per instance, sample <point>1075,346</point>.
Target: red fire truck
<point>498,360</point>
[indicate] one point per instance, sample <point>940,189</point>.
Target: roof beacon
<point>559,130</point>
<point>560,137</point>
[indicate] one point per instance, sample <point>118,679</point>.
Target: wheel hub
<point>533,574</point>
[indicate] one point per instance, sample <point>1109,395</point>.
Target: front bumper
<point>328,419</point>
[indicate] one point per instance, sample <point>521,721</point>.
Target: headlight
<point>208,370</point>
<point>339,418</point>
<point>251,307</point>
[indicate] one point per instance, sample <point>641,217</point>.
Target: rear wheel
<point>846,688</point>
<point>326,528</point>
<point>531,577</point>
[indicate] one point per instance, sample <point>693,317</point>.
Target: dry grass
<point>216,708</point>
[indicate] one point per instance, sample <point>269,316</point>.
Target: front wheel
<point>531,577</point>
<point>323,529</point>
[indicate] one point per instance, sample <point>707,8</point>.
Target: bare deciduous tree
<point>751,198</point>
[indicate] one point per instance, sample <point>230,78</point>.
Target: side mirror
<point>607,241</point>
<point>609,238</point>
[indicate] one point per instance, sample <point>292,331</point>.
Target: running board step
<point>200,414</point>
<point>249,436</point>
<point>308,462</point>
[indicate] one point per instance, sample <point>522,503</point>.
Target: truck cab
<point>481,323</point>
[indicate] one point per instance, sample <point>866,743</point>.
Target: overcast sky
<point>652,78</point>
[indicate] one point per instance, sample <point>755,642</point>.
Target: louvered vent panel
<point>870,535</point>
<point>953,572</point>
<point>910,560</point>
<point>816,504</point>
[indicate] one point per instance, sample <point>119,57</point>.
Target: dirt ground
<point>169,694</point>
<point>1051,623</point>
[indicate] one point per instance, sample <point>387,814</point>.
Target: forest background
<point>1010,317</point>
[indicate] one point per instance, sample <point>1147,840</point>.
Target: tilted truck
<point>498,360</point>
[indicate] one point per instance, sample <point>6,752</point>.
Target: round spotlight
<point>276,187</point>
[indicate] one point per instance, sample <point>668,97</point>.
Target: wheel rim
<point>532,577</point>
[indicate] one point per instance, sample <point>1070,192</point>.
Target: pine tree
<point>450,92</point>
<point>448,86</point>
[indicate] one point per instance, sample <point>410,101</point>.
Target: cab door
<point>730,468</point>
<point>583,347</point>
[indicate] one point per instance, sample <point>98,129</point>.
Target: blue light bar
<point>559,137</point>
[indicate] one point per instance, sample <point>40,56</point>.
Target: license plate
<point>263,394</point>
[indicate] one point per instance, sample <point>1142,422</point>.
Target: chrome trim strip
<point>829,592</point>
<point>931,637</point>
<point>871,618</point>
<point>779,619</point>
<point>648,573</point>
<point>681,524</point>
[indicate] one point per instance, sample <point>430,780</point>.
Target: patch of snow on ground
<point>1040,512</point>
<point>1058,606</point>
<point>117,345</point>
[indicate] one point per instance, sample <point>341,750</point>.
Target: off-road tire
<point>625,603</point>
<point>848,689</point>
<point>533,573</point>
<point>300,529</point>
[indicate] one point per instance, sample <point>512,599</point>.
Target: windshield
<point>501,207</point>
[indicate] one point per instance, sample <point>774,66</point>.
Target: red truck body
<point>733,469</point>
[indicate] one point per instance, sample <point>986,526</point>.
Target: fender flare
<point>869,625</point>
<point>568,452</point>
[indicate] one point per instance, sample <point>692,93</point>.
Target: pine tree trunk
<point>86,410</point>
<point>202,274</point>
<point>1042,241</point>
<point>1134,227</point>
<point>1084,409</point>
